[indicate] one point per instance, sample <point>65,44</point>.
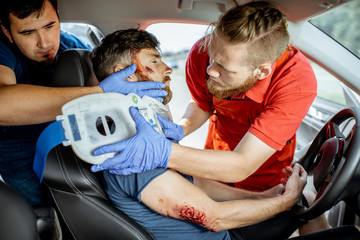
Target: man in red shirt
<point>269,109</point>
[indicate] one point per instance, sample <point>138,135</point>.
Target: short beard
<point>228,93</point>
<point>168,97</point>
<point>46,64</point>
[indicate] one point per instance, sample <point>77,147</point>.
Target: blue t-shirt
<point>28,73</point>
<point>125,193</point>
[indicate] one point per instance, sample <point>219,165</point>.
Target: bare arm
<point>246,158</point>
<point>194,117</point>
<point>223,192</point>
<point>22,104</point>
<point>171,195</point>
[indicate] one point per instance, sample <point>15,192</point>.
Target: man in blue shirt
<point>30,41</point>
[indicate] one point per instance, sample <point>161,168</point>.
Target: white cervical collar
<point>98,119</point>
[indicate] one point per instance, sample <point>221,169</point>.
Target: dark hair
<point>119,47</point>
<point>21,9</point>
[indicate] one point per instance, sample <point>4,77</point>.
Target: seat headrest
<point>74,69</point>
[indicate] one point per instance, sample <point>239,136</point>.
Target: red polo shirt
<point>272,110</point>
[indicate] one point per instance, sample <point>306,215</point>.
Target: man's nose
<point>43,40</point>
<point>211,70</point>
<point>168,71</point>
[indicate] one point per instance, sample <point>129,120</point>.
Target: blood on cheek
<point>145,71</point>
<point>149,70</point>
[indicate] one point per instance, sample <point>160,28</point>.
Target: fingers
<point>287,171</point>
<point>108,164</point>
<point>148,85</point>
<point>125,171</point>
<point>111,148</point>
<point>164,122</point>
<point>157,94</point>
<point>137,117</point>
<point>96,168</point>
<point>140,121</point>
<point>303,173</point>
<point>126,72</point>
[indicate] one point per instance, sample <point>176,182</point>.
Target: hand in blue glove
<point>116,83</point>
<point>171,130</point>
<point>144,151</point>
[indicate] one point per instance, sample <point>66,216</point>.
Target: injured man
<point>171,205</point>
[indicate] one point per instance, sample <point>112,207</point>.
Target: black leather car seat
<point>77,192</point>
<point>19,220</point>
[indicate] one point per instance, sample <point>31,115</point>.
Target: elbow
<point>204,218</point>
<point>237,174</point>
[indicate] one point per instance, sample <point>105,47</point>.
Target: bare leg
<point>318,224</point>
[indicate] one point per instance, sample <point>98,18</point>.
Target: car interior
<point>327,140</point>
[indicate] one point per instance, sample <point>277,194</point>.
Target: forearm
<point>209,164</point>
<point>240,213</point>
<point>22,104</point>
<point>194,117</point>
<point>246,158</point>
<point>222,192</point>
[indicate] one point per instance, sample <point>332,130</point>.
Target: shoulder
<point>8,58</point>
<point>296,73</point>
<point>68,40</point>
<point>131,184</point>
<point>199,51</point>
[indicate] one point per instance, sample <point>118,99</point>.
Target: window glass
<point>329,87</point>
<point>176,40</point>
<point>342,24</point>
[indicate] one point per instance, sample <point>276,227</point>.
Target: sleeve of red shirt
<point>291,98</point>
<point>196,75</point>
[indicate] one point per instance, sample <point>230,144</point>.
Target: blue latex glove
<point>116,83</point>
<point>144,151</point>
<point>172,131</point>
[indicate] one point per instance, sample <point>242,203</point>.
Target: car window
<point>342,24</point>
<point>86,32</point>
<point>176,40</point>
<point>329,87</point>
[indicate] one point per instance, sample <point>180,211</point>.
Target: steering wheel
<point>333,159</point>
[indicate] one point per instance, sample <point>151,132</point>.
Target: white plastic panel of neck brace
<point>96,120</point>
<point>99,119</point>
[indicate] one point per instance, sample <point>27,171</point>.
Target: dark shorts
<point>277,228</point>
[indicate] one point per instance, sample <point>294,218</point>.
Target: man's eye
<point>49,26</point>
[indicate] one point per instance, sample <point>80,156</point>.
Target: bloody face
<point>150,67</point>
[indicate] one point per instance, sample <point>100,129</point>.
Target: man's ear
<point>7,33</point>
<point>263,71</point>
<point>118,68</point>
